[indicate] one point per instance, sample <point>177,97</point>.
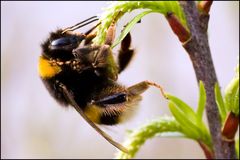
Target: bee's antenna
<point>81,24</point>
<point>84,21</point>
<point>91,29</point>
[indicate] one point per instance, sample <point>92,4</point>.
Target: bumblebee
<point>83,75</point>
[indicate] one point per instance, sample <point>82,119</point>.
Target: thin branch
<point>204,8</point>
<point>198,49</point>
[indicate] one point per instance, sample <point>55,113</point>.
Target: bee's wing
<point>69,96</point>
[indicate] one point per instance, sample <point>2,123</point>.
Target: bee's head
<point>59,45</point>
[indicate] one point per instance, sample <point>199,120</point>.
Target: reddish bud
<point>205,6</point>
<point>230,126</point>
<point>177,27</point>
<point>207,151</point>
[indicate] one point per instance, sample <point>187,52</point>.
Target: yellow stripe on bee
<point>47,69</point>
<point>93,112</point>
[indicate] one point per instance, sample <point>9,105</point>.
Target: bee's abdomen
<point>109,119</point>
<point>81,85</point>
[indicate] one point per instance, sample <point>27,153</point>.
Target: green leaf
<point>171,135</point>
<point>201,100</point>
<point>237,71</point>
<point>186,109</point>
<point>189,128</point>
<point>138,137</point>
<point>117,9</point>
<point>220,102</point>
<point>232,96</point>
<point>237,147</point>
<point>236,102</point>
<point>129,27</point>
<point>201,106</point>
<point>197,131</point>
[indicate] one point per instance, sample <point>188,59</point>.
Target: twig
<point>198,49</point>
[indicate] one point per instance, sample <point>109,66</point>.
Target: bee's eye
<point>65,43</point>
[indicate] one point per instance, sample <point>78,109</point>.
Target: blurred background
<point>33,125</point>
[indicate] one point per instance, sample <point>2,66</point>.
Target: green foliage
<point>129,27</point>
<point>220,103</point>
<point>117,9</point>
<point>189,128</point>
<point>137,137</point>
<point>191,123</point>
<point>237,147</point>
<point>232,94</point>
<point>184,123</point>
<point>201,101</point>
<point>230,101</point>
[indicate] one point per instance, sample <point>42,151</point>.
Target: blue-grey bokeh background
<point>33,125</point>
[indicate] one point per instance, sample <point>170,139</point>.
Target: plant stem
<point>198,49</point>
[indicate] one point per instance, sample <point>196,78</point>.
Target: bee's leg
<point>89,38</point>
<point>141,87</point>
<point>110,34</point>
<point>112,107</point>
<point>125,53</point>
<point>85,51</point>
<point>104,63</point>
<point>69,96</point>
<point>105,50</point>
<point>90,34</point>
<point>100,59</point>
